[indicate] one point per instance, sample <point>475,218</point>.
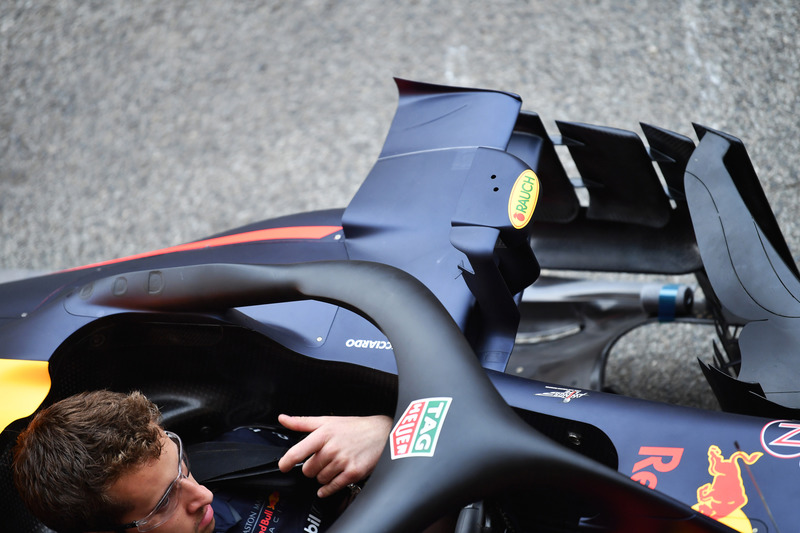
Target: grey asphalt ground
<point>130,126</point>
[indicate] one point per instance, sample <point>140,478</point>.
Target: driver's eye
<point>162,509</point>
<point>165,505</point>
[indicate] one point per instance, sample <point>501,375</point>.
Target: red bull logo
<point>274,498</point>
<point>724,497</point>
<point>267,514</point>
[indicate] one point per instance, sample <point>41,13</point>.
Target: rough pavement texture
<point>130,126</point>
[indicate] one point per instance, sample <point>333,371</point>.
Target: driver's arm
<point>339,450</point>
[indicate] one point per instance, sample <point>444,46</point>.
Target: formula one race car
<point>424,298</point>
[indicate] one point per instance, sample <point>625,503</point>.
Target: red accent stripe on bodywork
<point>270,234</point>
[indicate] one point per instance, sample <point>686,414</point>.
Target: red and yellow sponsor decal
<point>523,198</point>
<point>660,459</point>
<point>267,513</point>
<point>272,501</point>
<point>23,387</point>
<point>724,497</point>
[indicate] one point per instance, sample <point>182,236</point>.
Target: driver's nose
<point>196,496</point>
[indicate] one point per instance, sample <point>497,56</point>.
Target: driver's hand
<point>339,450</point>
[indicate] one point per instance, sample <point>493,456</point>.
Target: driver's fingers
<point>326,468</point>
<point>303,424</point>
<point>336,484</point>
<point>300,452</point>
<point>323,465</point>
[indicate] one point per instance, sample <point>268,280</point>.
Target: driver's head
<point>98,460</point>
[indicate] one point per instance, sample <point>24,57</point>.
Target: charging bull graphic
<point>724,497</point>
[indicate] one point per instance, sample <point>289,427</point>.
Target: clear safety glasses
<point>169,501</point>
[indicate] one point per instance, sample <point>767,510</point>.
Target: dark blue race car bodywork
<point>470,198</point>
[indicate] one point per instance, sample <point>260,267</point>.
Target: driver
<point>100,461</point>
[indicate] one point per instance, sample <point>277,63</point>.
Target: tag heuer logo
<point>417,431</point>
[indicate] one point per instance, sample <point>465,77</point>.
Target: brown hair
<point>73,451</point>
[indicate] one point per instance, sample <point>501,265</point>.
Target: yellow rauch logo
<point>522,201</point>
